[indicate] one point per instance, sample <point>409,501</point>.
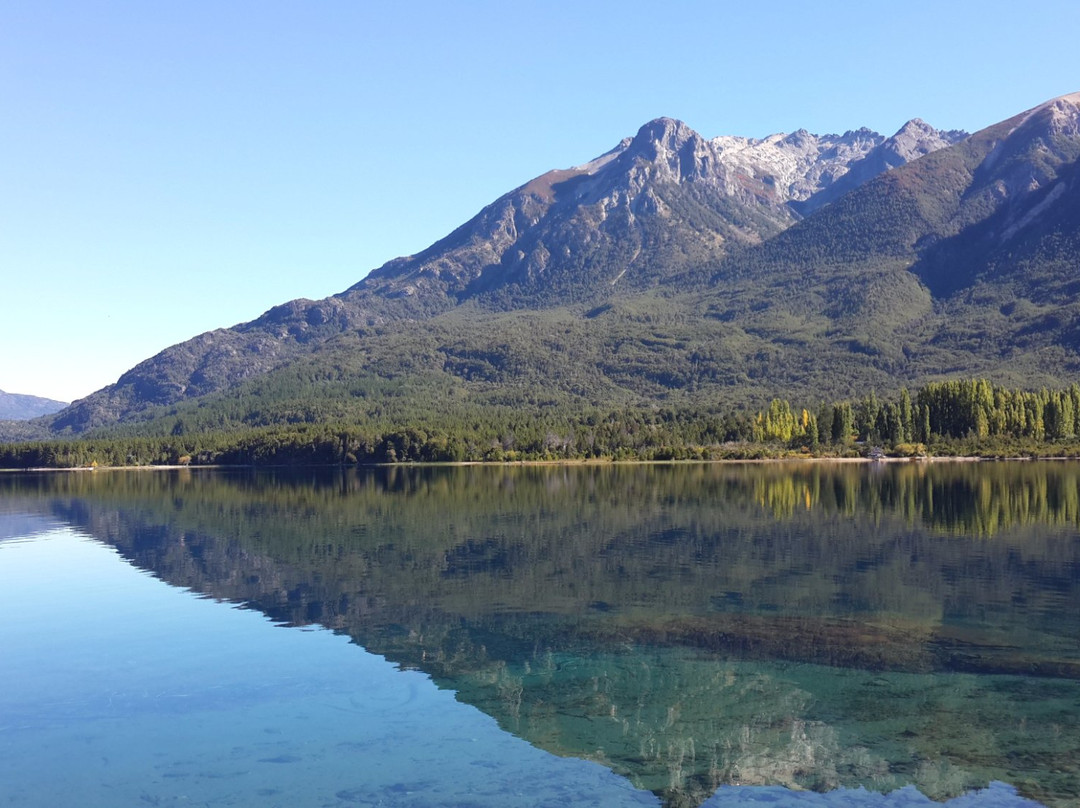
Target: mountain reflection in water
<point>807,626</point>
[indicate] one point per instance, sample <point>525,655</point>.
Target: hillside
<point>676,270</point>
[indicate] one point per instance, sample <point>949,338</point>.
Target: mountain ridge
<point>664,151</point>
<point>23,407</point>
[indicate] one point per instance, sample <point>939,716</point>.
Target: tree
<point>843,423</point>
<point>907,417</point>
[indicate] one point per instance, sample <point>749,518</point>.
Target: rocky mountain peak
<point>1050,127</point>
<point>807,171</point>
<point>797,165</point>
<point>915,126</point>
<point>1061,116</point>
<point>1030,147</point>
<point>676,151</point>
<point>663,133</point>
<point>1021,172</point>
<point>800,139</point>
<point>915,139</point>
<point>775,178</point>
<point>1064,107</point>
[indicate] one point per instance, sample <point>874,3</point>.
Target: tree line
<point>951,417</point>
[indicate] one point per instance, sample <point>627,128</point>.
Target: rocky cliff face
<point>593,224</point>
<point>808,171</point>
<point>659,201</point>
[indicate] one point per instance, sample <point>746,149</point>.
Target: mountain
<point>961,262</point>
<point>677,270</point>
<point>16,407</point>
<point>658,202</point>
<point>809,171</point>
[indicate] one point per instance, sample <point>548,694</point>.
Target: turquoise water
<point>120,690</point>
<point>548,637</point>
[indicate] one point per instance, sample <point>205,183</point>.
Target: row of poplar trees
<point>972,408</point>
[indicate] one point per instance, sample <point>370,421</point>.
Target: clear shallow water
<point>119,690</point>
<point>716,635</point>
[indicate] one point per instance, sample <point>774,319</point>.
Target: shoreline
<point>585,462</point>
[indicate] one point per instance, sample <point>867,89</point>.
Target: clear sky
<point>167,168</point>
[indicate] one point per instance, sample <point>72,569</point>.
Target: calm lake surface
<point>766,635</point>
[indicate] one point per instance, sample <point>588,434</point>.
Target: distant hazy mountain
<point>15,407</point>
<point>674,270</point>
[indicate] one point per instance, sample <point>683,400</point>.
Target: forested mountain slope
<point>962,262</point>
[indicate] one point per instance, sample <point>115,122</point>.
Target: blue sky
<point>169,168</point>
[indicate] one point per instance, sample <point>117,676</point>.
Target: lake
<point>807,635</point>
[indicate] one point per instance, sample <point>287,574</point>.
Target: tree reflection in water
<point>810,626</point>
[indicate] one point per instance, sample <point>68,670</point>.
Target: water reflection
<point>689,627</point>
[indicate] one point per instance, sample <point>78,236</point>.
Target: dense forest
<point>971,417</point>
